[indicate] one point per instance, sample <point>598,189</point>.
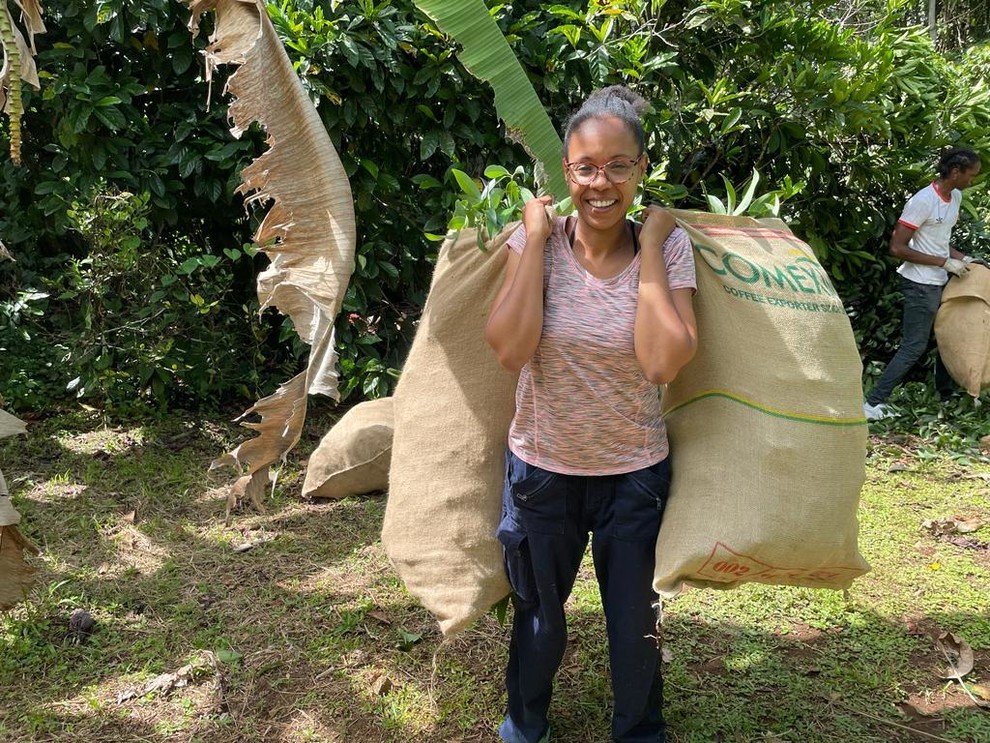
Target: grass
<point>310,636</point>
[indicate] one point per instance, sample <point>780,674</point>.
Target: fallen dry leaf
<point>958,653</point>
<point>968,543</point>
<point>245,546</point>
<point>954,525</point>
<point>165,683</point>
<point>967,526</point>
<point>382,685</point>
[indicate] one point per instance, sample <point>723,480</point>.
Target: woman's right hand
<point>535,219</point>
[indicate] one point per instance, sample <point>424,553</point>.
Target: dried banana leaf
<point>18,64</point>
<point>308,233</point>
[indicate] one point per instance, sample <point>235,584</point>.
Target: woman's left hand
<point>657,226</point>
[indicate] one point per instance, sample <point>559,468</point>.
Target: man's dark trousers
<point>921,302</point>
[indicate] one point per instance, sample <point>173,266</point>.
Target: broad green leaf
<point>744,202</point>
<point>496,171</point>
<point>730,196</point>
<point>426,182</point>
<point>715,205</point>
<point>731,120</point>
<point>487,55</point>
<point>467,185</point>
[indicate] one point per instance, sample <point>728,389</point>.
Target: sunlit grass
<point>316,639</point>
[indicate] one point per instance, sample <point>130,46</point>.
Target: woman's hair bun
<point>621,92</point>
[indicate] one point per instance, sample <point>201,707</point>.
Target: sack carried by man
<point>962,329</point>
<point>767,437</point>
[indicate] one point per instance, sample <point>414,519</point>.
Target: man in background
<point>921,240</point>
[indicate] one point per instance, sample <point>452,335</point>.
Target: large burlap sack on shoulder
<point>962,329</point>
<point>453,407</point>
<point>768,440</point>
<point>354,456</point>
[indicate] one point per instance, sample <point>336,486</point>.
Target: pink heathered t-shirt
<point>583,406</point>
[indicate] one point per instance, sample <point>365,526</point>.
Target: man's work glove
<point>955,266</point>
<point>970,259</point>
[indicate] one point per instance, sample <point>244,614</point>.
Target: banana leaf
<point>308,233</point>
<point>487,55</point>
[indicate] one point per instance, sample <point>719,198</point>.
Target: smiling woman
<point>595,311</point>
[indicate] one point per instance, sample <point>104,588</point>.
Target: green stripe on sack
<point>801,418</point>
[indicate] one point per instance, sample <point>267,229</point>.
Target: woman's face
<point>597,142</point>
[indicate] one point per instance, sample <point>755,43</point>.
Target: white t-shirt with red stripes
<point>583,406</point>
<point>932,218</point>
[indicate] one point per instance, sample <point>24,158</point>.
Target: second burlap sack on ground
<point>452,409</point>
<point>354,456</point>
<point>962,329</point>
<point>768,441</point>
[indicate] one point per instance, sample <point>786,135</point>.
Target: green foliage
<point>29,376</point>
<point>135,321</point>
<point>122,110</point>
<point>492,206</point>
<point>765,205</point>
<point>952,428</point>
<point>841,118</point>
<point>148,320</point>
<point>121,103</point>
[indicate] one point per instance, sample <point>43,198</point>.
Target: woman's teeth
<point>601,204</point>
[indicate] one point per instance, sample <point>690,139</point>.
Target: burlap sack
<point>768,440</point>
<point>354,456</point>
<point>962,329</point>
<point>17,575</point>
<point>453,406</point>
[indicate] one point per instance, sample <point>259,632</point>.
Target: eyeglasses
<point>617,171</point>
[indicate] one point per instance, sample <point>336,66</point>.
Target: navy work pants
<point>546,520</point>
<point>921,302</point>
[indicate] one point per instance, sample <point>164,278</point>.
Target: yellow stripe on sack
<point>801,417</point>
